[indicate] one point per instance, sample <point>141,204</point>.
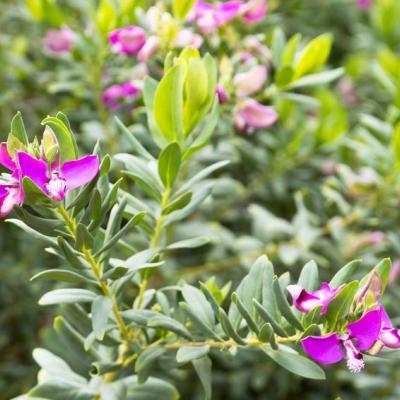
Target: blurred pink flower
<point>254,11</point>
<point>251,81</point>
<point>114,96</point>
<point>149,49</point>
<point>375,237</point>
<point>60,40</point>
<point>186,38</point>
<point>364,4</point>
<point>212,16</point>
<point>251,115</point>
<point>128,40</point>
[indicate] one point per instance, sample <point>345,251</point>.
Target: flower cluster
<point>41,165</point>
<point>370,330</point>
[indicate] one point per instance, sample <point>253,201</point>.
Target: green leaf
<point>149,90</point>
<point>317,79</point>
<point>152,389</point>
<point>228,328</point>
<point>62,275</point>
<point>32,194</point>
<point>309,276</point>
<point>189,243</point>
<point>46,239</point>
<point>140,172</point>
<point>267,335</point>
<point>63,296</point>
<point>290,50</point>
<point>101,310</point>
<point>268,318</point>
<point>180,202</point>
<point>195,93</point>
<point>346,272</point>
<point>203,370</point>
<point>71,254</point>
<point>314,55</point>
<point>249,288</point>
<point>168,104</point>
<point>18,128</point>
<point>190,353</point>
<point>61,389</point>
<point>203,137</point>
<point>244,313</point>
<point>146,360</point>
<point>65,138</point>
<point>135,220</point>
<point>169,324</point>
<point>339,307</point>
<point>199,304</point>
<point>284,306</point>
<point>181,8</point>
<point>137,146</point>
<point>56,366</point>
<point>295,363</point>
<point>202,175</point>
<point>278,46</point>
<point>169,163</point>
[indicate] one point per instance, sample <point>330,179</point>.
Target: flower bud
<point>114,96</point>
<point>254,11</point>
<point>128,40</point>
<point>49,147</point>
<point>251,115</point>
<point>60,41</point>
<point>249,82</point>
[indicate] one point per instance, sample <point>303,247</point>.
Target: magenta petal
<point>34,169</point>
<point>390,337</point>
<point>5,158</point>
<point>324,349</point>
<point>366,329</point>
<point>385,319</point>
<point>303,300</point>
<point>78,173</point>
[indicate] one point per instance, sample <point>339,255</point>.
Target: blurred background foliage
<point>322,183</point>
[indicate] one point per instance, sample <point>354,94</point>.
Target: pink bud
<point>249,82</point>
<point>394,273</point>
<point>114,95</point>
<point>212,16</point>
<point>254,11</point>
<point>221,93</point>
<point>186,38</point>
<point>149,49</point>
<point>128,40</point>
<point>60,41</point>
<point>251,115</point>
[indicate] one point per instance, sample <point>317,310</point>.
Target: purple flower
<point>364,4</point>
<point>305,301</point>
<point>149,49</point>
<point>128,40</point>
<point>254,11</point>
<point>60,41</point>
<point>249,82</point>
<point>212,16</point>
<point>357,337</point>
<point>251,115</point>
<point>114,95</point>
<point>388,335</point>
<point>56,181</point>
<point>11,192</point>
<point>221,93</point>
